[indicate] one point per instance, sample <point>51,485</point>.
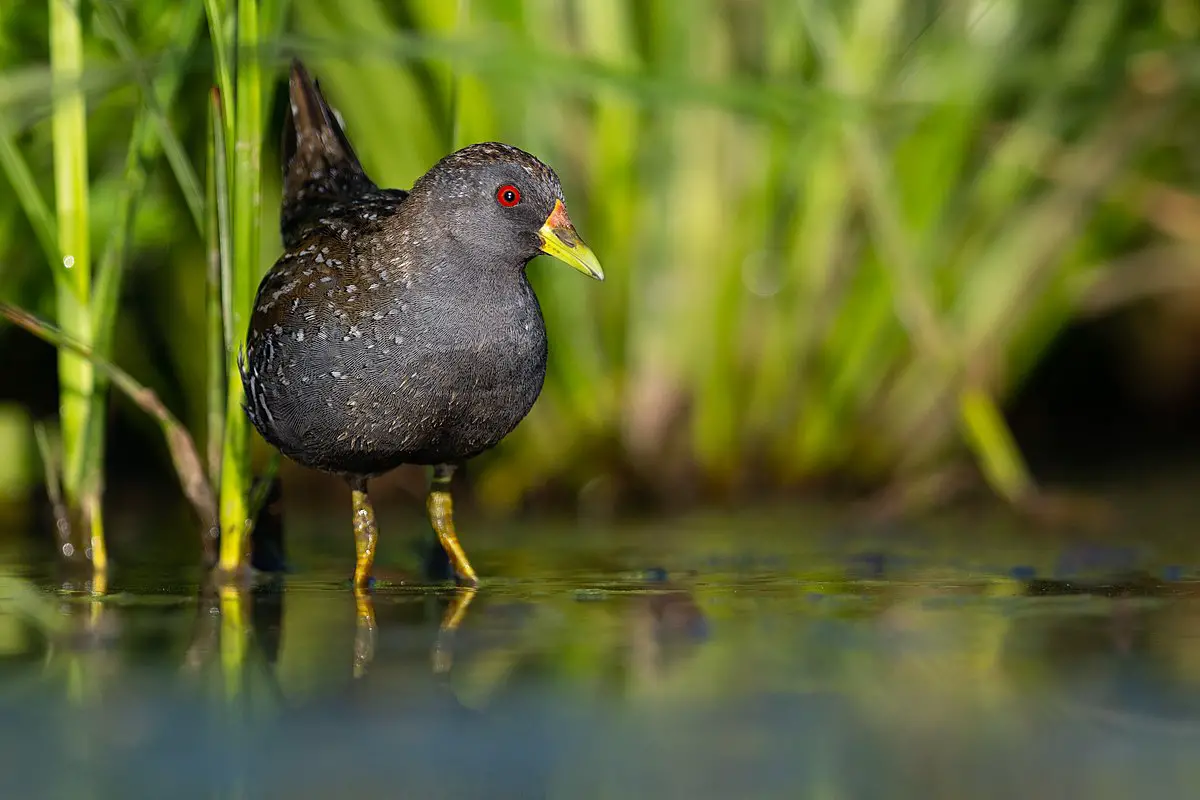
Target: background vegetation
<point>837,235</point>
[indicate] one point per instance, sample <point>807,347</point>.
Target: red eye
<point>508,195</point>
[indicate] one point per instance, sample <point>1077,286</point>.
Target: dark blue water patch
<point>1023,572</point>
<point>656,574</point>
<point>1080,559</point>
<point>1173,573</point>
<point>871,565</point>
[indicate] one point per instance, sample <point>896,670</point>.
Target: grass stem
<point>76,377</point>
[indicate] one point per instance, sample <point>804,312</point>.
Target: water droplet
<point>761,274</point>
<point>68,549</point>
<point>69,262</point>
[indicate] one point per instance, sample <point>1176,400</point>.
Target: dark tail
<point>320,168</point>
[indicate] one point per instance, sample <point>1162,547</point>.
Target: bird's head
<point>504,205</point>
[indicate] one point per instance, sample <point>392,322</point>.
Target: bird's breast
<point>492,359</point>
<point>464,375</point>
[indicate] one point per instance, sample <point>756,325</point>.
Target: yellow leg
<point>441,515</point>
<point>365,533</point>
<point>442,657</point>
<point>364,631</point>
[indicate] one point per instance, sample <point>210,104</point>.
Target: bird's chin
<point>530,249</point>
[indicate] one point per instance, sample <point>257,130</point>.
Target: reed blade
<point>246,189</point>
<point>74,294</point>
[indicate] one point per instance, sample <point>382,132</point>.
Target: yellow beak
<point>560,240</point>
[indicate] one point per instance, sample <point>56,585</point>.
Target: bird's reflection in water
<point>434,566</point>
<point>364,631</point>
<point>441,656</point>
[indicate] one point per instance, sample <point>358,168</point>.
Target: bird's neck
<point>474,264</point>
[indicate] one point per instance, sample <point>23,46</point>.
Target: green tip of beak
<point>560,240</point>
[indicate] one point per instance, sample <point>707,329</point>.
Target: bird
<point>398,327</point>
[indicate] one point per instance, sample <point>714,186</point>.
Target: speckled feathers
<point>397,327</point>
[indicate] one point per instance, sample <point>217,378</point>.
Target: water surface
<point>783,654</point>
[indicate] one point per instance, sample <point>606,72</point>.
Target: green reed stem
<point>76,377</point>
<point>219,331</point>
<point>220,24</point>
<point>247,201</point>
<point>997,451</point>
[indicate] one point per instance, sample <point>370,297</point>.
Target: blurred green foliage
<point>835,234</point>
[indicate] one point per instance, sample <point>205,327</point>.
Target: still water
<point>787,654</point>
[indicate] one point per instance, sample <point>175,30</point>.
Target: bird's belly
<point>437,388</point>
<point>443,407</point>
<point>467,404</point>
<point>477,416</point>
